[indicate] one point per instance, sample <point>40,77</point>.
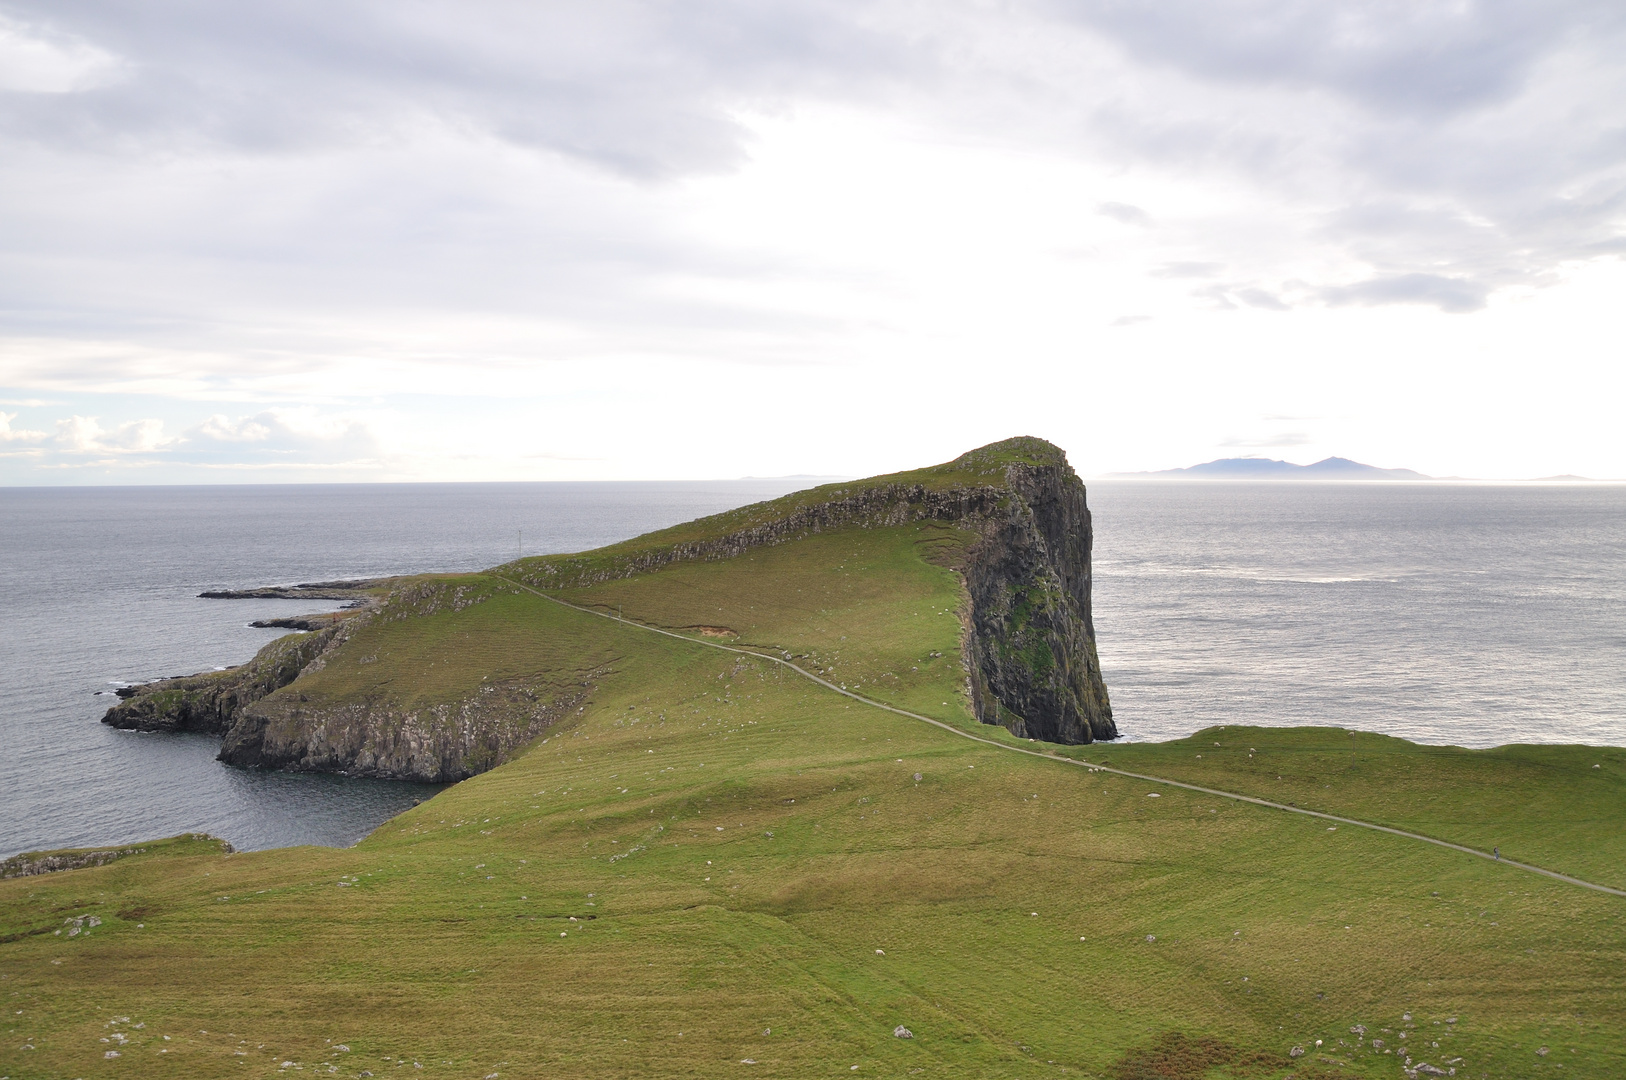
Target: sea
<point>1466,614</point>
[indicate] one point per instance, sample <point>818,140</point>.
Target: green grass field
<point>719,868</point>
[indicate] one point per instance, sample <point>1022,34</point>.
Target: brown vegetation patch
<point>712,631</point>
<point>1178,1056</point>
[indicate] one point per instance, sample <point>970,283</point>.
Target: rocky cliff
<point>1030,646</point>
<point>367,735</point>
<point>211,702</point>
<point>1029,642</point>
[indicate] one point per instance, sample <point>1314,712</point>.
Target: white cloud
<point>223,428</point>
<point>7,434</point>
<point>1288,438</point>
<point>85,435</point>
<point>34,60</point>
<point>616,239</point>
<point>282,436</point>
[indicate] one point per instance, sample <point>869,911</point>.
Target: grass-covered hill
<point>712,865</point>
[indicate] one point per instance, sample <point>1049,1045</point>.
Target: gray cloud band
<point>1453,149</point>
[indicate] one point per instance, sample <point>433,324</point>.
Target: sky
<point>390,240</point>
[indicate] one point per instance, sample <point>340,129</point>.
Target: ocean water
<point>98,587</point>
<point>1463,614</point>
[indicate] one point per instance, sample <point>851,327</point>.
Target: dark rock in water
<point>319,621</point>
<point>210,702</point>
<point>359,589</point>
<point>262,729</point>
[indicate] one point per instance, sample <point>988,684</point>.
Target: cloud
<point>1290,438</point>
<point>378,205</point>
<point>1454,295</point>
<point>222,428</point>
<point>1188,270</point>
<point>638,87</point>
<point>9,435</point>
<point>1260,298</point>
<point>85,435</point>
<point>34,60</point>
<point>1424,58</point>
<point>283,436</point>
<point>370,142</point>
<point>1125,213</point>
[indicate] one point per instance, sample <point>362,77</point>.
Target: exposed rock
<point>435,744</point>
<point>319,621</point>
<point>211,702</point>
<point>1030,644</point>
<point>901,1032</point>
<point>360,589</point>
<point>31,863</point>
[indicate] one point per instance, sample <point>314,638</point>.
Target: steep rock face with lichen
<point>1031,647</point>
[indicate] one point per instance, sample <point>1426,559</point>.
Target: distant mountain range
<point>1253,468</point>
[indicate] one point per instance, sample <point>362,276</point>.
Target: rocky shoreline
<point>362,590</point>
<point>1029,645</point>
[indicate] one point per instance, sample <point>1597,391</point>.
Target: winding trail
<point>951,729</point>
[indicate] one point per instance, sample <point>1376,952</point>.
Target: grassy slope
<point>1558,807</point>
<point>735,844</point>
<point>982,467</point>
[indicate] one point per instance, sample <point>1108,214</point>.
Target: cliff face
<point>1029,642</point>
<point>369,736</point>
<point>211,702</point>
<point>1030,646</point>
<point>437,743</point>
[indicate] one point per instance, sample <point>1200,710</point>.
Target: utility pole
<point>519,552</point>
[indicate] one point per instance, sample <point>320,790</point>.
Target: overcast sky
<point>405,239</point>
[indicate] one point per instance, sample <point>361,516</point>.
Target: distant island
<point>1255,468</point>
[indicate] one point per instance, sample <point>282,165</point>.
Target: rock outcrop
<point>438,743</point>
<point>1029,642</point>
<point>211,702</point>
<point>357,590</point>
<point>433,743</point>
<point>1030,646</point>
